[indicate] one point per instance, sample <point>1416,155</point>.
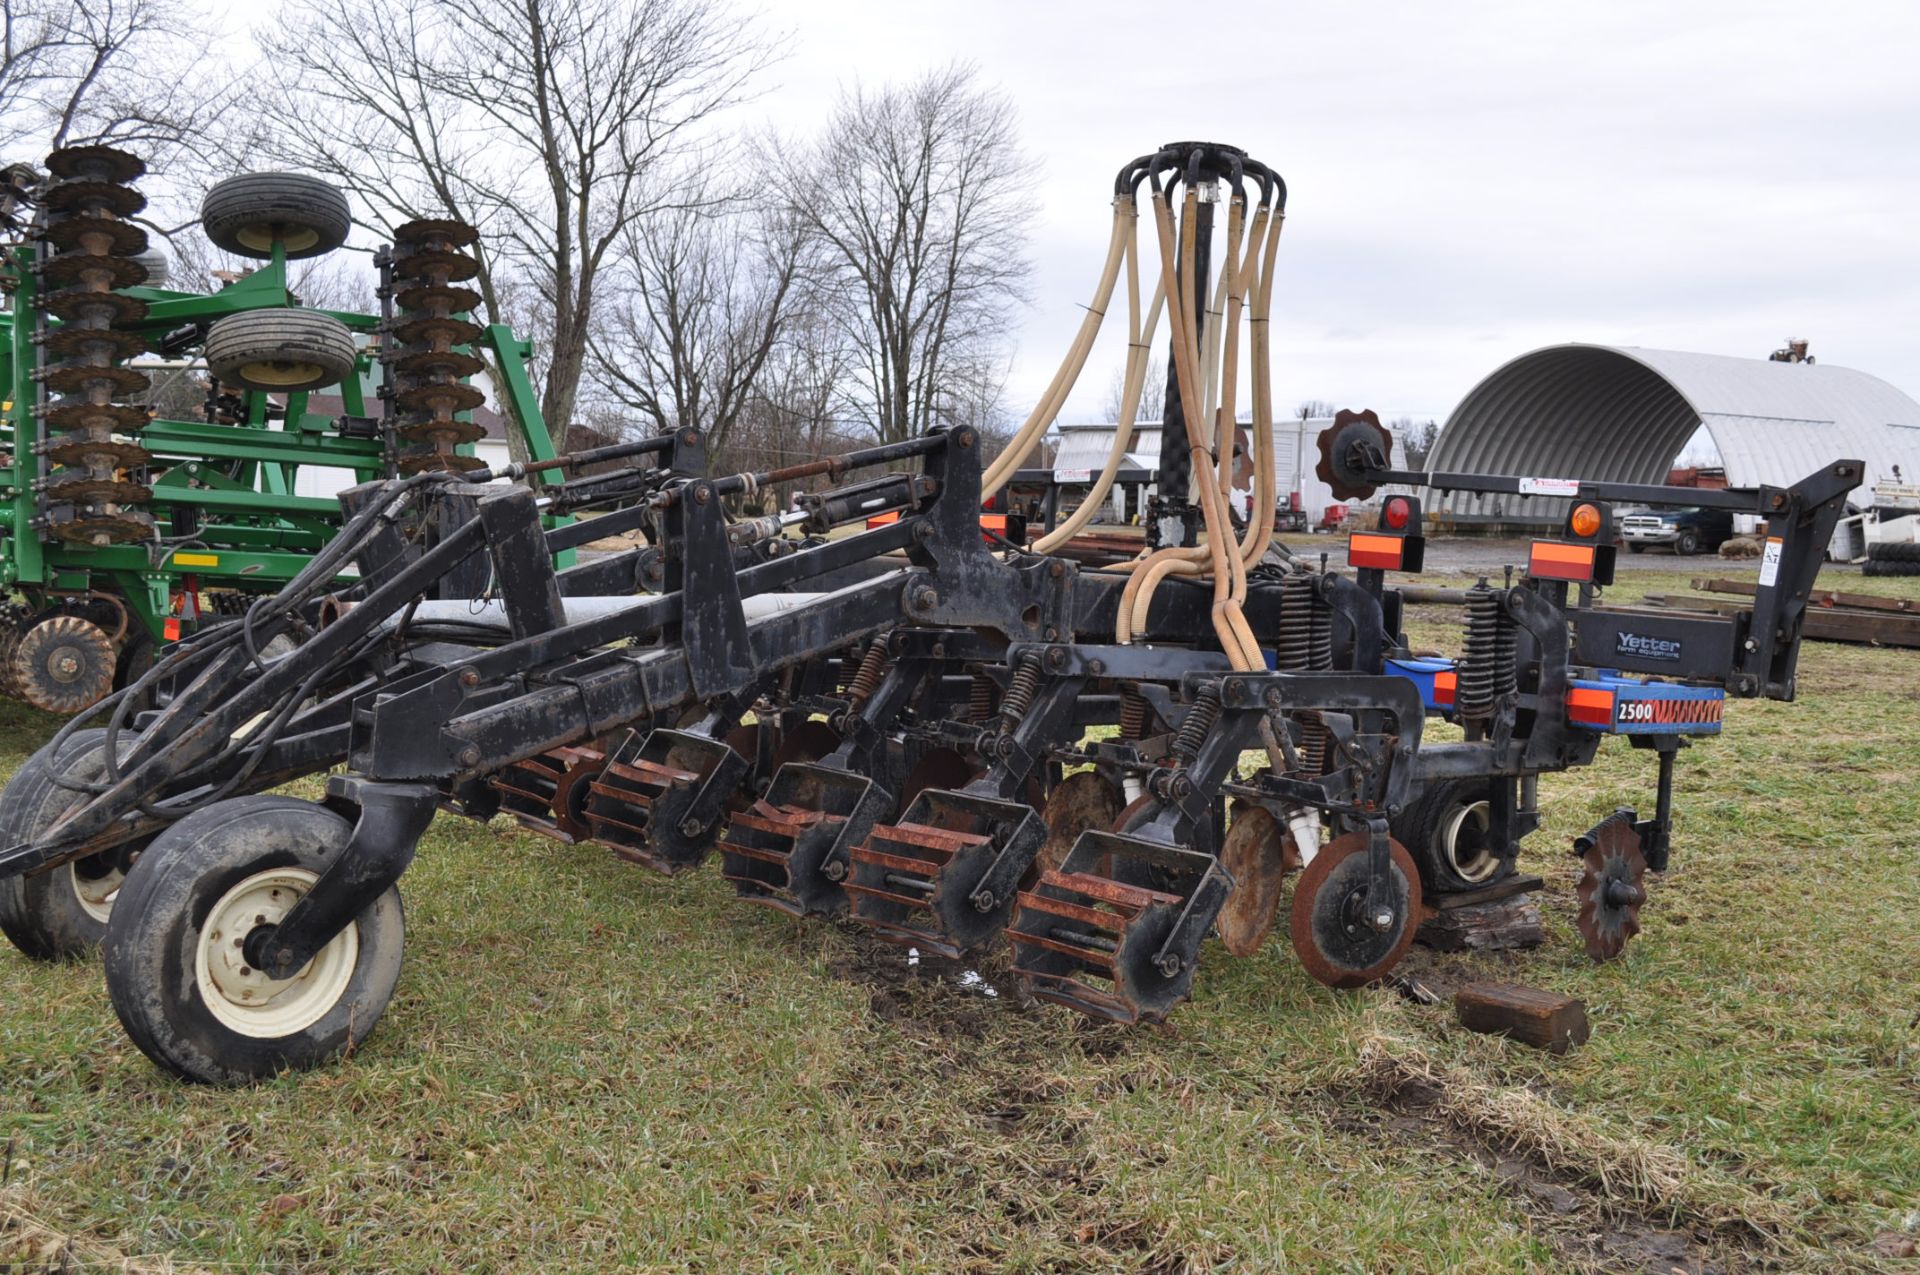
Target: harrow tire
<point>245,214</point>
<point>1906,551</point>
<point>62,913</point>
<point>1889,567</point>
<point>174,973</point>
<point>1439,830</point>
<point>280,350</point>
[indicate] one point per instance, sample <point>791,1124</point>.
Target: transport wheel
<point>246,214</point>
<point>63,664</point>
<point>1688,544</point>
<point>62,913</point>
<point>280,350</point>
<point>1445,829</point>
<point>176,961</point>
<point>1335,943</point>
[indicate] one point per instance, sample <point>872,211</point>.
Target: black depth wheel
<point>62,913</point>
<point>175,950</point>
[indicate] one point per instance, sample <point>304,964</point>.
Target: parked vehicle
<point>1687,531</point>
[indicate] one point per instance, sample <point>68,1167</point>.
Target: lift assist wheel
<point>1613,887</point>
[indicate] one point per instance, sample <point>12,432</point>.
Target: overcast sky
<point>1467,181</point>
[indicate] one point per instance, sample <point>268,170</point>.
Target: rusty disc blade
<point>1079,803</point>
<point>1255,854</point>
<point>1336,442</point>
<point>96,162</point>
<point>1336,945</point>
<point>71,342</point>
<point>80,304</point>
<point>1612,889</point>
<point>94,269</point>
<point>436,299</point>
<point>89,233</point>
<point>86,194</point>
<point>442,231</point>
<point>81,379</point>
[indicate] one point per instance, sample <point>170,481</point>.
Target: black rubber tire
<point>1906,551</point>
<point>154,261</point>
<point>1422,827</point>
<point>280,351</point>
<point>155,938</point>
<point>1889,567</point>
<point>1688,544</point>
<point>244,214</point>
<point>1636,548</point>
<point>43,915</point>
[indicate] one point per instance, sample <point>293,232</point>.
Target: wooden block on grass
<point>1496,926</point>
<point>1543,1019</point>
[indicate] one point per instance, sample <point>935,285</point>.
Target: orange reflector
<point>883,520</point>
<point>1382,552</point>
<point>1590,705</point>
<point>994,522</point>
<point>1445,687</point>
<point>170,629</point>
<point>1585,520</point>
<point>1552,560</point>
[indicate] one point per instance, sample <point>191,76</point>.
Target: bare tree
<point>915,191</point>
<point>1312,409</point>
<point>547,124</point>
<point>1417,437</point>
<point>1155,391</point>
<point>701,296</point>
<point>114,71</point>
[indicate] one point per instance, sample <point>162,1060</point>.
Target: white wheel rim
<point>96,894</point>
<point>262,238</point>
<point>1480,862</point>
<point>282,372</point>
<point>246,1000</point>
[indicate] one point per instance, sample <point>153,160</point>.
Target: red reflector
<point>1551,560</point>
<point>1396,513</point>
<point>1444,687</point>
<point>1381,552</point>
<point>170,630</point>
<point>1594,707</point>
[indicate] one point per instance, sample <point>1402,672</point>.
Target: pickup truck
<point>1687,531</point>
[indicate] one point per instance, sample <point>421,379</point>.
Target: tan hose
<point>1125,220</point>
<point>1260,533</point>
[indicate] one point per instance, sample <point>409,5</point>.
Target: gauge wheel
<point>280,351</point>
<point>248,214</point>
<point>176,949</point>
<point>62,913</point>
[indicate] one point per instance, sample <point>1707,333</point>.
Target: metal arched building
<point>1622,414</point>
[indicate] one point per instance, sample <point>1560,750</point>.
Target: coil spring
<point>980,698</point>
<point>1306,625</point>
<point>1135,715</point>
<point>1021,691</point>
<point>873,666</point>
<point>1198,723</point>
<point>1486,661</point>
<point>1312,750</point>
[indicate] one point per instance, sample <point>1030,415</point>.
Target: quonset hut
<point>1622,414</point>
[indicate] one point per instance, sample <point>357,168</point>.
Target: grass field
<point>588,1066</point>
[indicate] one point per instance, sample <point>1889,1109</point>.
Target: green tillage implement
<point>249,530</point>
